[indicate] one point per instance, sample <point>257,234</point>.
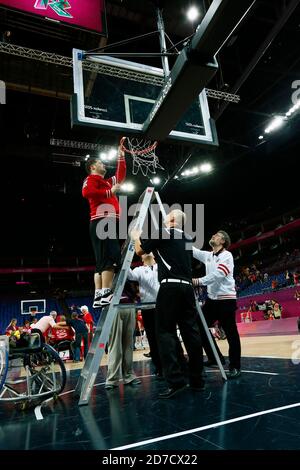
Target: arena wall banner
<point>85,14</point>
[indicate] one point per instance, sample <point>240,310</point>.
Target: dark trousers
<point>224,312</point>
<point>76,345</point>
<point>175,305</point>
<point>149,319</point>
<point>149,324</point>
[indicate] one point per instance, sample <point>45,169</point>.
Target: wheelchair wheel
<point>47,372</point>
<point>23,405</point>
<point>64,349</point>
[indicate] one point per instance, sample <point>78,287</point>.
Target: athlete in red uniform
<point>105,212</point>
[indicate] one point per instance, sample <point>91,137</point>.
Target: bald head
<point>175,218</point>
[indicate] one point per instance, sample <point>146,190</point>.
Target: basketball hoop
<point>143,154</point>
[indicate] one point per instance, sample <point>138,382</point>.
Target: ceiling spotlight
<point>261,137</point>
<point>175,177</point>
<point>127,187</point>
<point>87,157</point>
<point>293,109</point>
<point>155,180</point>
<point>277,122</point>
<point>112,154</point>
<point>130,187</point>
<point>103,156</point>
<point>192,13</point>
<point>206,167</point>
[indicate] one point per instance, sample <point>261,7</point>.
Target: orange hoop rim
<point>137,152</point>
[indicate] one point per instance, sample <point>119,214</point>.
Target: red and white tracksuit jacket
<point>219,274</point>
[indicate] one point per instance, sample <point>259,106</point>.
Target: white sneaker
<point>96,303</point>
<point>106,298</point>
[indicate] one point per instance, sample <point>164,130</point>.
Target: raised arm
<point>133,275</point>
<point>121,167</point>
<point>200,255</point>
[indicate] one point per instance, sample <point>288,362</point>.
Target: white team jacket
<point>148,282</point>
<point>219,274</point>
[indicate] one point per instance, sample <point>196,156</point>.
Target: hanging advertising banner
<point>84,14</point>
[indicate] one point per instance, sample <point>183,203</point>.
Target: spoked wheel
<point>23,405</point>
<point>47,373</point>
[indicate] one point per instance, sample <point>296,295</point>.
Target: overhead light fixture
<point>203,168</point>
<point>293,109</point>
<point>206,167</point>
<point>127,187</point>
<point>192,13</point>
<point>103,156</point>
<point>87,157</point>
<point>277,122</point>
<point>280,120</point>
<point>155,180</point>
<point>112,153</point>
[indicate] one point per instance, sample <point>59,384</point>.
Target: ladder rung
<point>84,374</point>
<point>97,330</point>
<point>90,353</point>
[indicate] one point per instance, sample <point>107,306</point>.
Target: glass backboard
<point>118,95</point>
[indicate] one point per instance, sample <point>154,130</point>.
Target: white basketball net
<point>143,154</point>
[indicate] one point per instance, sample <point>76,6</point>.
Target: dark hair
<point>91,161</point>
<point>227,241</point>
<point>130,292</point>
<point>74,315</point>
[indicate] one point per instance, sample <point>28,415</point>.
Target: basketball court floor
<point>260,410</point>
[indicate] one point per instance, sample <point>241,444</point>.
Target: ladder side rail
<point>91,367</point>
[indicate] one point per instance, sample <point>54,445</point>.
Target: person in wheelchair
<point>19,338</point>
<point>81,334</point>
<point>61,339</point>
<point>42,326</point>
<point>26,327</point>
<point>12,327</point>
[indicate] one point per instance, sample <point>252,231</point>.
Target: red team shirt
<point>97,191</point>
<point>88,320</point>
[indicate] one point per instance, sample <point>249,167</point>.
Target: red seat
<point>64,334</point>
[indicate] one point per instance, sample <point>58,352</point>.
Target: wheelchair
<point>61,341</point>
<point>30,375</point>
